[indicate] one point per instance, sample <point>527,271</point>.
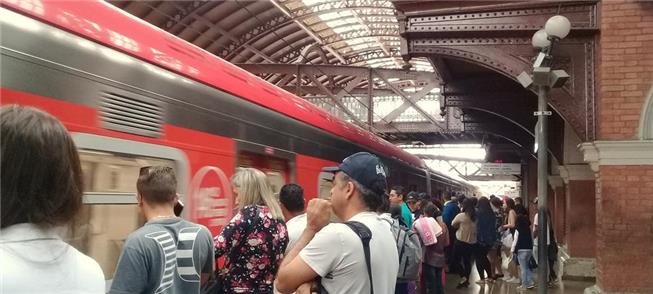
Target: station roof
<point>339,37</point>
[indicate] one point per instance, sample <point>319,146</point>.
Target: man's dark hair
<point>496,202</point>
<point>292,197</point>
<point>372,200</point>
<point>400,191</point>
<point>41,173</point>
<point>157,184</point>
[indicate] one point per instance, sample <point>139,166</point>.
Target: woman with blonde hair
<point>254,241</point>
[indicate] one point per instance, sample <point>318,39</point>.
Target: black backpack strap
<point>365,235</point>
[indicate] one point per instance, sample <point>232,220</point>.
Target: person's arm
<point>209,263</point>
<point>131,273</point>
<point>535,226</point>
<point>456,221</point>
<point>514,242</point>
<point>224,242</point>
<point>294,271</point>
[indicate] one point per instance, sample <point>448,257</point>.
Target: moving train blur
<point>132,96</point>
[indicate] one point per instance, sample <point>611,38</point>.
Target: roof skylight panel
<point>347,28</point>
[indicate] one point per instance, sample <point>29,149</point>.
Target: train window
<point>324,185</point>
<point>102,230</point>
<point>110,213</point>
<point>276,180</point>
<point>113,174</point>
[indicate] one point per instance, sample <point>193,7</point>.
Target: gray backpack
<point>409,249</point>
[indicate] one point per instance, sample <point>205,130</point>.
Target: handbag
<point>428,230</point>
<point>532,264</point>
<point>506,239</point>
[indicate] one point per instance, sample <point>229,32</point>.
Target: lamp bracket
<point>543,113</point>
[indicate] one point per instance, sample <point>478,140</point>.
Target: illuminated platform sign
<point>500,169</point>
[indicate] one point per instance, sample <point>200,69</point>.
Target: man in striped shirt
<point>167,254</point>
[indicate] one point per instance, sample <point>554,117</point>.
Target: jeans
<point>524,256</point>
<point>432,279</point>
<point>463,258</point>
<point>482,262</point>
<point>401,288</point>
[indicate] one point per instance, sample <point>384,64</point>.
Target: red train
<point>133,95</point>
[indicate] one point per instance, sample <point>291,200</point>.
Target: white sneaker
<point>506,278</point>
<point>531,286</point>
<point>514,281</point>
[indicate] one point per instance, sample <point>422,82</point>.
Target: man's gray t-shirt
<point>164,256</point>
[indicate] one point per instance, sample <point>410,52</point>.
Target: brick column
<point>624,202</point>
<point>558,209</point>
<point>622,156</point>
<point>578,254</point>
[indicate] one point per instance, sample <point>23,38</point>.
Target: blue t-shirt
<point>450,211</point>
<point>164,256</point>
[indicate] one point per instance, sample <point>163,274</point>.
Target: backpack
<point>409,250</point>
<point>365,235</point>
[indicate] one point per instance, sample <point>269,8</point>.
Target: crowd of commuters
<point>384,243</point>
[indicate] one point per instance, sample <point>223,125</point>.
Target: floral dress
<point>252,244</point>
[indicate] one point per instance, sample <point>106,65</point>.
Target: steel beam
<point>335,100</point>
<point>222,31</point>
<point>403,95</point>
<point>448,158</point>
<point>412,99</point>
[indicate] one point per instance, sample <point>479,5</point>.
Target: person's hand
<point>318,214</point>
<point>306,288</point>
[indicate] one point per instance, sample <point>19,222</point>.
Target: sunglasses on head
<point>144,170</point>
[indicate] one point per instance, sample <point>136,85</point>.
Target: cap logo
<point>379,170</point>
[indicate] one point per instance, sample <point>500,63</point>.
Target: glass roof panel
<point>370,27</point>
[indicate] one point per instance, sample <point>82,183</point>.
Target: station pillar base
<point>576,268</point>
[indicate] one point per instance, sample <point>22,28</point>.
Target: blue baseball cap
<point>366,169</point>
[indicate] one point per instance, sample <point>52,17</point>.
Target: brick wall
<point>625,229</point>
<point>580,225</point>
<point>625,66</point>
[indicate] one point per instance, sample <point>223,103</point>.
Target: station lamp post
<point>542,80</point>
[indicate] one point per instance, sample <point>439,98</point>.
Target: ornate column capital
<point>576,172</point>
<point>634,152</point>
<point>556,182</point>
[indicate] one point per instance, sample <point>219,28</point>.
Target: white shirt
<point>295,226</point>
<point>336,254</point>
<point>548,231</point>
<point>35,260</point>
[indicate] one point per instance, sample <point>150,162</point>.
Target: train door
<point>276,164</point>
<point>110,213</point>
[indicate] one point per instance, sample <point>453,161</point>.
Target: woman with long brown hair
<point>41,197</point>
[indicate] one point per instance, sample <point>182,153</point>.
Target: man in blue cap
<point>334,251</point>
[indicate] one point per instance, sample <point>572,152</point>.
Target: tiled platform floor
<point>501,287</point>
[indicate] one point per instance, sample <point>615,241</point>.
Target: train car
<point>133,95</point>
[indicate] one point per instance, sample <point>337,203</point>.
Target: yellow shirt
<point>466,228</point>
